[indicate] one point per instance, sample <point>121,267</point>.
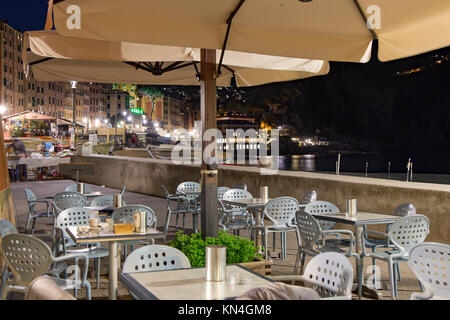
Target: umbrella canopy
<point>53,57</point>
<point>28,115</point>
<point>319,29</point>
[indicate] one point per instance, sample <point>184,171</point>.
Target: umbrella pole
<point>209,223</point>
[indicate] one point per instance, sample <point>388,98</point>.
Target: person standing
<point>19,150</point>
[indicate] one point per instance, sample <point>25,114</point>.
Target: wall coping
<point>300,174</point>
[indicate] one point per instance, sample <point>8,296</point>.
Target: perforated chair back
<point>155,258</point>
<point>104,201</point>
<point>403,210</point>
<point>409,231</point>
<point>187,187</point>
<point>430,262</point>
<point>73,188</point>
<point>221,191</point>
<point>281,210</point>
<point>27,257</point>
<point>309,197</point>
<point>236,194</point>
<point>66,200</point>
<point>6,227</point>
<point>72,217</point>
<point>323,207</point>
<point>309,228</point>
<point>126,214</point>
<point>331,274</point>
<point>30,195</point>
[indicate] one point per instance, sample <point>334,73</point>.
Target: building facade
<point>21,92</point>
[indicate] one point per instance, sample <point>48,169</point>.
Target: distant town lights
<point>124,113</point>
<point>129,118</point>
<point>2,109</point>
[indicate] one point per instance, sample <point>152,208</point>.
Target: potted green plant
<point>239,250</point>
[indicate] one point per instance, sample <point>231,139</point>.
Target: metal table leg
<point>360,288</point>
<point>114,262</point>
<point>258,233</point>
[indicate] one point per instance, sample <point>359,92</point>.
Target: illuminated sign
<point>137,111</point>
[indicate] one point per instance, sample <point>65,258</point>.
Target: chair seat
<point>280,228</point>
<point>331,249</point>
<point>92,253</point>
<point>384,255</point>
<point>371,243</point>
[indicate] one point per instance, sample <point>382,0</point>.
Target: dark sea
<point>430,167</point>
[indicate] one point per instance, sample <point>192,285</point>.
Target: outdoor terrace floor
<point>407,286</point>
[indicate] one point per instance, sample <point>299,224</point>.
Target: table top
<point>362,218</point>
<point>190,284</point>
<point>109,236</point>
<point>255,202</point>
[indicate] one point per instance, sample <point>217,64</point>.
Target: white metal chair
<point>402,210</point>
<point>191,190</point>
<point>281,211</point>
<point>26,267</point>
<point>311,232</point>
<point>307,198</point>
<point>126,215</point>
<point>155,258</point>
<point>430,262</point>
<point>221,191</point>
<point>68,199</point>
<point>230,221</point>
<point>103,201</point>
<point>78,217</point>
<point>233,214</point>
<point>33,214</point>
<point>181,209</point>
<point>74,188</point>
<point>330,274</point>
<point>404,234</point>
<point>322,207</point>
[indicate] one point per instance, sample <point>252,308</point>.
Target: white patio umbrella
<point>318,29</point>
<point>53,57</point>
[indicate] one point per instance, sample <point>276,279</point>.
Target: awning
<point>53,57</point>
<point>332,30</point>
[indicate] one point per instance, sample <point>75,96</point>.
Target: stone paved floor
<point>408,285</point>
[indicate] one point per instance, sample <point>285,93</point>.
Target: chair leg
<point>4,280</point>
<point>274,240</point>
<point>34,224</point>
<point>176,221</point>
<point>87,285</point>
<point>398,272</point>
<point>283,245</point>
<point>28,223</point>
<point>265,245</point>
<point>98,272</point>
<point>391,278</point>
<point>302,265</point>
<point>297,259</point>
<point>166,225</point>
<point>124,252</point>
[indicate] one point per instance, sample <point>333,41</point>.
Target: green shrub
<point>239,249</point>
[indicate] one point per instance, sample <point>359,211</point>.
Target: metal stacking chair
<point>74,217</point>
<point>26,267</point>
<point>193,200</point>
<point>330,274</point>
<point>126,215</point>
<point>68,199</point>
<point>74,188</point>
<point>103,201</point>
<point>322,207</point>
<point>6,227</point>
<point>404,234</point>
<point>221,191</point>
<point>281,211</point>
<point>155,258</point>
<point>33,214</point>
<point>402,210</point>
<point>235,217</point>
<point>430,262</point>
<point>182,208</point>
<point>306,199</point>
<point>311,232</point>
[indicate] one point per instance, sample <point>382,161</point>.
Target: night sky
<point>24,15</point>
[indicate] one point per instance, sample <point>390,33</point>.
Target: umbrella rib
<point>176,65</point>
<point>363,15</point>
<point>39,61</point>
<point>229,21</point>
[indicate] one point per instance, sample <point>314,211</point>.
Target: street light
<point>124,113</point>
<point>2,109</point>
